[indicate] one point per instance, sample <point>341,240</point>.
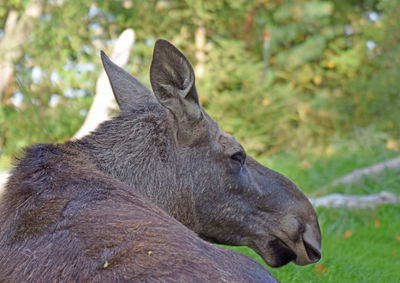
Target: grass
<point>357,245</point>
<point>312,171</point>
<point>389,180</point>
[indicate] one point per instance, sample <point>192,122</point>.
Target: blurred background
<point>310,88</point>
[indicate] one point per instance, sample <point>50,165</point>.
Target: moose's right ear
<point>126,88</point>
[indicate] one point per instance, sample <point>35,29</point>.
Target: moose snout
<point>308,246</point>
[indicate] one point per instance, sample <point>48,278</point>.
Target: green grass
<point>370,254</point>
<point>389,180</point>
<point>323,169</point>
<point>371,250</point>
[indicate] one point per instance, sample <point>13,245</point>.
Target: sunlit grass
<point>358,246</point>
<point>311,171</point>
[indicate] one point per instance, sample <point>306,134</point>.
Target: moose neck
<point>135,149</point>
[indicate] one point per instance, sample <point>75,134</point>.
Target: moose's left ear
<point>172,79</point>
<point>127,89</point>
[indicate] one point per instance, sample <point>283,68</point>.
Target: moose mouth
<point>283,254</point>
<point>313,254</point>
<point>306,253</point>
<point>278,253</point>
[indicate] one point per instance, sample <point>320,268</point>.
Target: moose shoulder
<point>62,220</point>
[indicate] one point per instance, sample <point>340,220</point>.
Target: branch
<point>353,201</point>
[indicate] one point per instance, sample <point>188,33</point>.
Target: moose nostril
<point>313,254</point>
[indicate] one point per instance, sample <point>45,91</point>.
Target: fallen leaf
<point>320,268</point>
<point>392,144</point>
<point>305,164</point>
<point>266,102</point>
<point>317,80</point>
<point>318,151</point>
<point>347,234</point>
<point>377,223</point>
<point>329,151</point>
<point>202,99</point>
<point>316,194</point>
<point>330,65</point>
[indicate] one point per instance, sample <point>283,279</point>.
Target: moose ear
<point>126,88</point>
<point>172,79</point>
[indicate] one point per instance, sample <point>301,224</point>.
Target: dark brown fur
<point>63,220</point>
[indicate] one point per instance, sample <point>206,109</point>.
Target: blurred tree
<point>331,66</point>
<point>19,22</point>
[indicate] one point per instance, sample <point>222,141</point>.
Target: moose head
<point>164,146</point>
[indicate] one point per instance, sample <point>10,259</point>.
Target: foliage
<point>321,80</point>
<point>317,80</point>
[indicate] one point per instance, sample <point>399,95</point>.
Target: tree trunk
<point>104,100</point>
<point>354,201</point>
<point>200,39</point>
<point>16,33</point>
<point>3,180</point>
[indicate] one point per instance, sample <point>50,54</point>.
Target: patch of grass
<point>312,171</point>
<point>358,246</point>
<point>388,180</point>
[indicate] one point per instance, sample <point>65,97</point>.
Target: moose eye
<point>239,157</point>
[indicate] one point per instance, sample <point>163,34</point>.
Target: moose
<point>63,220</point>
<point>120,202</point>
